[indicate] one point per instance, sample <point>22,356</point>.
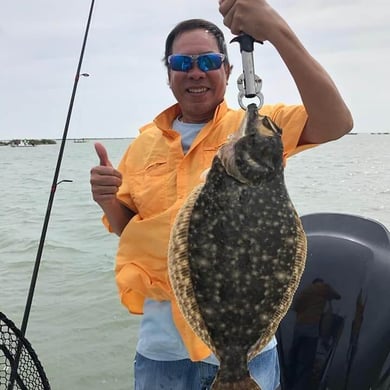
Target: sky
<point>41,40</point>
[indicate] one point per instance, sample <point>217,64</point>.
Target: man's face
<point>198,93</point>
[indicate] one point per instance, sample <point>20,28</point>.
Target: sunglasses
<point>205,62</point>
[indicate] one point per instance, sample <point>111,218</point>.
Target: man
<point>164,163</point>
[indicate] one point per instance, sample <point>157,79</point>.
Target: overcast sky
<point>40,42</point>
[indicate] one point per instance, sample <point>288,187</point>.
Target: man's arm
<point>328,116</point>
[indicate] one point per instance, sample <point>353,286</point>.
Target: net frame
<point>18,357</point>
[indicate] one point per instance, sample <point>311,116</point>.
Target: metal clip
<point>249,84</point>
<point>243,94</point>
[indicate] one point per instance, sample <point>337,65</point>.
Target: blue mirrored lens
<point>208,62</point>
<point>180,63</point>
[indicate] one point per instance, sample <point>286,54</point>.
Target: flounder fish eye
<point>271,128</point>
<point>277,129</point>
<point>205,62</point>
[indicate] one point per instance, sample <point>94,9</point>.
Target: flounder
<point>237,250</point>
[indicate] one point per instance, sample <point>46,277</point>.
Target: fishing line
<point>50,203</point>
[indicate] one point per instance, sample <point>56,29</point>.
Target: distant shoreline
<point>372,133</point>
<point>27,142</point>
<point>34,142</point>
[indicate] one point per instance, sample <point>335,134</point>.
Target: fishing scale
<point>248,83</point>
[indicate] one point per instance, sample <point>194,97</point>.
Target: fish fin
<point>246,383</point>
<point>179,270</point>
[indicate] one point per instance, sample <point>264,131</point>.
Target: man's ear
<point>228,69</point>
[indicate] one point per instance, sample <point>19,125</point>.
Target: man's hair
<point>195,24</point>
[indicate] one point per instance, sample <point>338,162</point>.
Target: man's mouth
<point>197,90</point>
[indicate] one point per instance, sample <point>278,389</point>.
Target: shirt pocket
<point>209,153</point>
<point>149,188</point>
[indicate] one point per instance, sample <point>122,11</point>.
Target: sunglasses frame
<point>198,59</point>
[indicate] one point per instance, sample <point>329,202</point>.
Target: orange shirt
<point>157,178</point>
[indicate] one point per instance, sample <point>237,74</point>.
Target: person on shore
<point>165,162</point>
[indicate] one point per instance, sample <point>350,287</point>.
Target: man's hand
<point>105,180</point>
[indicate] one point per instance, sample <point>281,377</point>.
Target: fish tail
<point>246,383</point>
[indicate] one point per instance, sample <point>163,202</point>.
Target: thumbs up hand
<point>105,180</point>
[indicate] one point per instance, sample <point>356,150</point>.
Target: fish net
<point>16,351</point>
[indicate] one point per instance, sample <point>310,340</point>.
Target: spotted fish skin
<point>241,253</point>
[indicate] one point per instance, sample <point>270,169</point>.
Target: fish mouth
<point>254,123</point>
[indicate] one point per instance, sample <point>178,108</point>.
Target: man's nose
<point>195,71</point>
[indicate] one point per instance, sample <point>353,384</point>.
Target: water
<point>83,336</point>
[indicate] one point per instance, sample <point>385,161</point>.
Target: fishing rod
<point>50,201</point>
